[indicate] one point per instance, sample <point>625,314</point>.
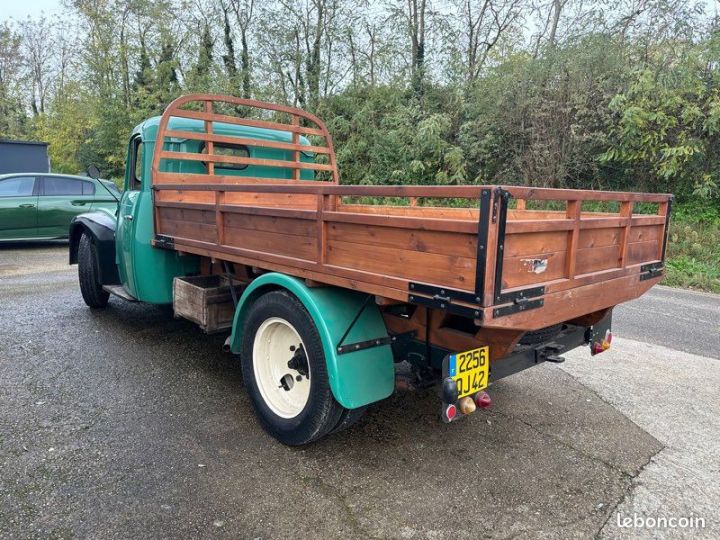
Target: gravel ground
<point>128,423</point>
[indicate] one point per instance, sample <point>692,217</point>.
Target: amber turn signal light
<point>467,405</point>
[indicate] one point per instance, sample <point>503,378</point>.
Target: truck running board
<point>119,291</point>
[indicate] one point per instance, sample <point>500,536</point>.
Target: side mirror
<point>93,172</point>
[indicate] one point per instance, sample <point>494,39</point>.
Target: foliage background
<point>615,94</point>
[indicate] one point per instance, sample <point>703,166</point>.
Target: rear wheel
<point>89,274</point>
<point>283,365</point>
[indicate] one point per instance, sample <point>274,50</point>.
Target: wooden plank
<point>545,194</point>
<point>277,224</point>
<point>590,238</point>
<point>237,160</point>
<point>263,143</point>
<point>517,245</point>
<point>463,245</point>
<point>204,232</point>
<point>274,243</point>
<point>451,271</point>
<point>645,233</point>
<point>281,200</point>
<point>205,182</point>
<point>428,224</point>
<point>596,258</point>
<point>518,271</point>
<point>642,252</point>
<point>263,124</point>
<point>187,215</point>
<point>529,226</point>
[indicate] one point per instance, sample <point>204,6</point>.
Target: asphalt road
<point>128,423</point>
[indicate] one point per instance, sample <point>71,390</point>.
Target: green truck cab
<point>332,302</point>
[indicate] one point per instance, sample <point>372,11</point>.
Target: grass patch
<point>693,255</point>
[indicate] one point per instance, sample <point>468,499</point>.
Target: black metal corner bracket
<point>518,301</point>
<point>482,239</point>
<point>500,208</point>
<point>164,242</point>
<point>447,299</point>
<point>652,270</point>
<point>667,227</point>
<point>378,342</point>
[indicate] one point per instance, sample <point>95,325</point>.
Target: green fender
<point>356,378</point>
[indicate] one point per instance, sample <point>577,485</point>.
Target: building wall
<point>19,156</point>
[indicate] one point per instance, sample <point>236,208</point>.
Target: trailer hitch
<point>549,353</point>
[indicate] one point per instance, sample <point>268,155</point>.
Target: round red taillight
<point>451,411</point>
<point>482,400</point>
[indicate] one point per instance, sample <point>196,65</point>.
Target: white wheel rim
<point>274,346</point>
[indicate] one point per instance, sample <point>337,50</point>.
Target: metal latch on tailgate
<point>521,301</point>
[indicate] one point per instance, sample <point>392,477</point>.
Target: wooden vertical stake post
<point>574,212</point>
<point>219,195</point>
<point>626,210</point>
<point>296,140</point>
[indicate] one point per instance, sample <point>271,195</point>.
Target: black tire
<point>349,418</point>
<point>89,275</point>
<point>321,412</point>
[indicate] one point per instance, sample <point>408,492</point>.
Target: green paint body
<point>356,378</point>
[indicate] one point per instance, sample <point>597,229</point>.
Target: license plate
<point>470,370</point>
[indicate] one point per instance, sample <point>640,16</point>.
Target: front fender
<point>101,226</point>
<point>356,378</point>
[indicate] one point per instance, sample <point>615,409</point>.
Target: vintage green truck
<point>334,295</point>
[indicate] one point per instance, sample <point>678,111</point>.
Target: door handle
<point>26,206</point>
<point>78,203</point>
<point>129,217</point>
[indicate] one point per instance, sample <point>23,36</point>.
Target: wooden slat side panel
<point>590,238</point>
<point>531,244</point>
<point>205,232</point>
<point>282,200</point>
<point>442,270</point>
<point>274,224</point>
<point>645,233</point>
<point>170,197</point>
<point>641,252</point>
<point>595,259</point>
<point>444,243</point>
<point>273,243</point>
<point>533,269</point>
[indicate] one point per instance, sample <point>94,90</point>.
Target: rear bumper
<point>527,356</point>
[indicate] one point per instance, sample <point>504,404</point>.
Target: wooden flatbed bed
<point>479,252</point>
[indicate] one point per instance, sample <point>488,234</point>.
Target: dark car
<point>40,206</point>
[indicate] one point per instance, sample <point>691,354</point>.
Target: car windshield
<point>112,187</point>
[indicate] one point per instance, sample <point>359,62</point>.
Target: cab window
<point>228,149</point>
<point>20,186</point>
<point>136,161</point>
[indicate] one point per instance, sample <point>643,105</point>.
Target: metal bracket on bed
<point>378,342</point>
<point>652,270</point>
<point>446,299</point>
<point>164,242</point>
<point>522,300</point>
